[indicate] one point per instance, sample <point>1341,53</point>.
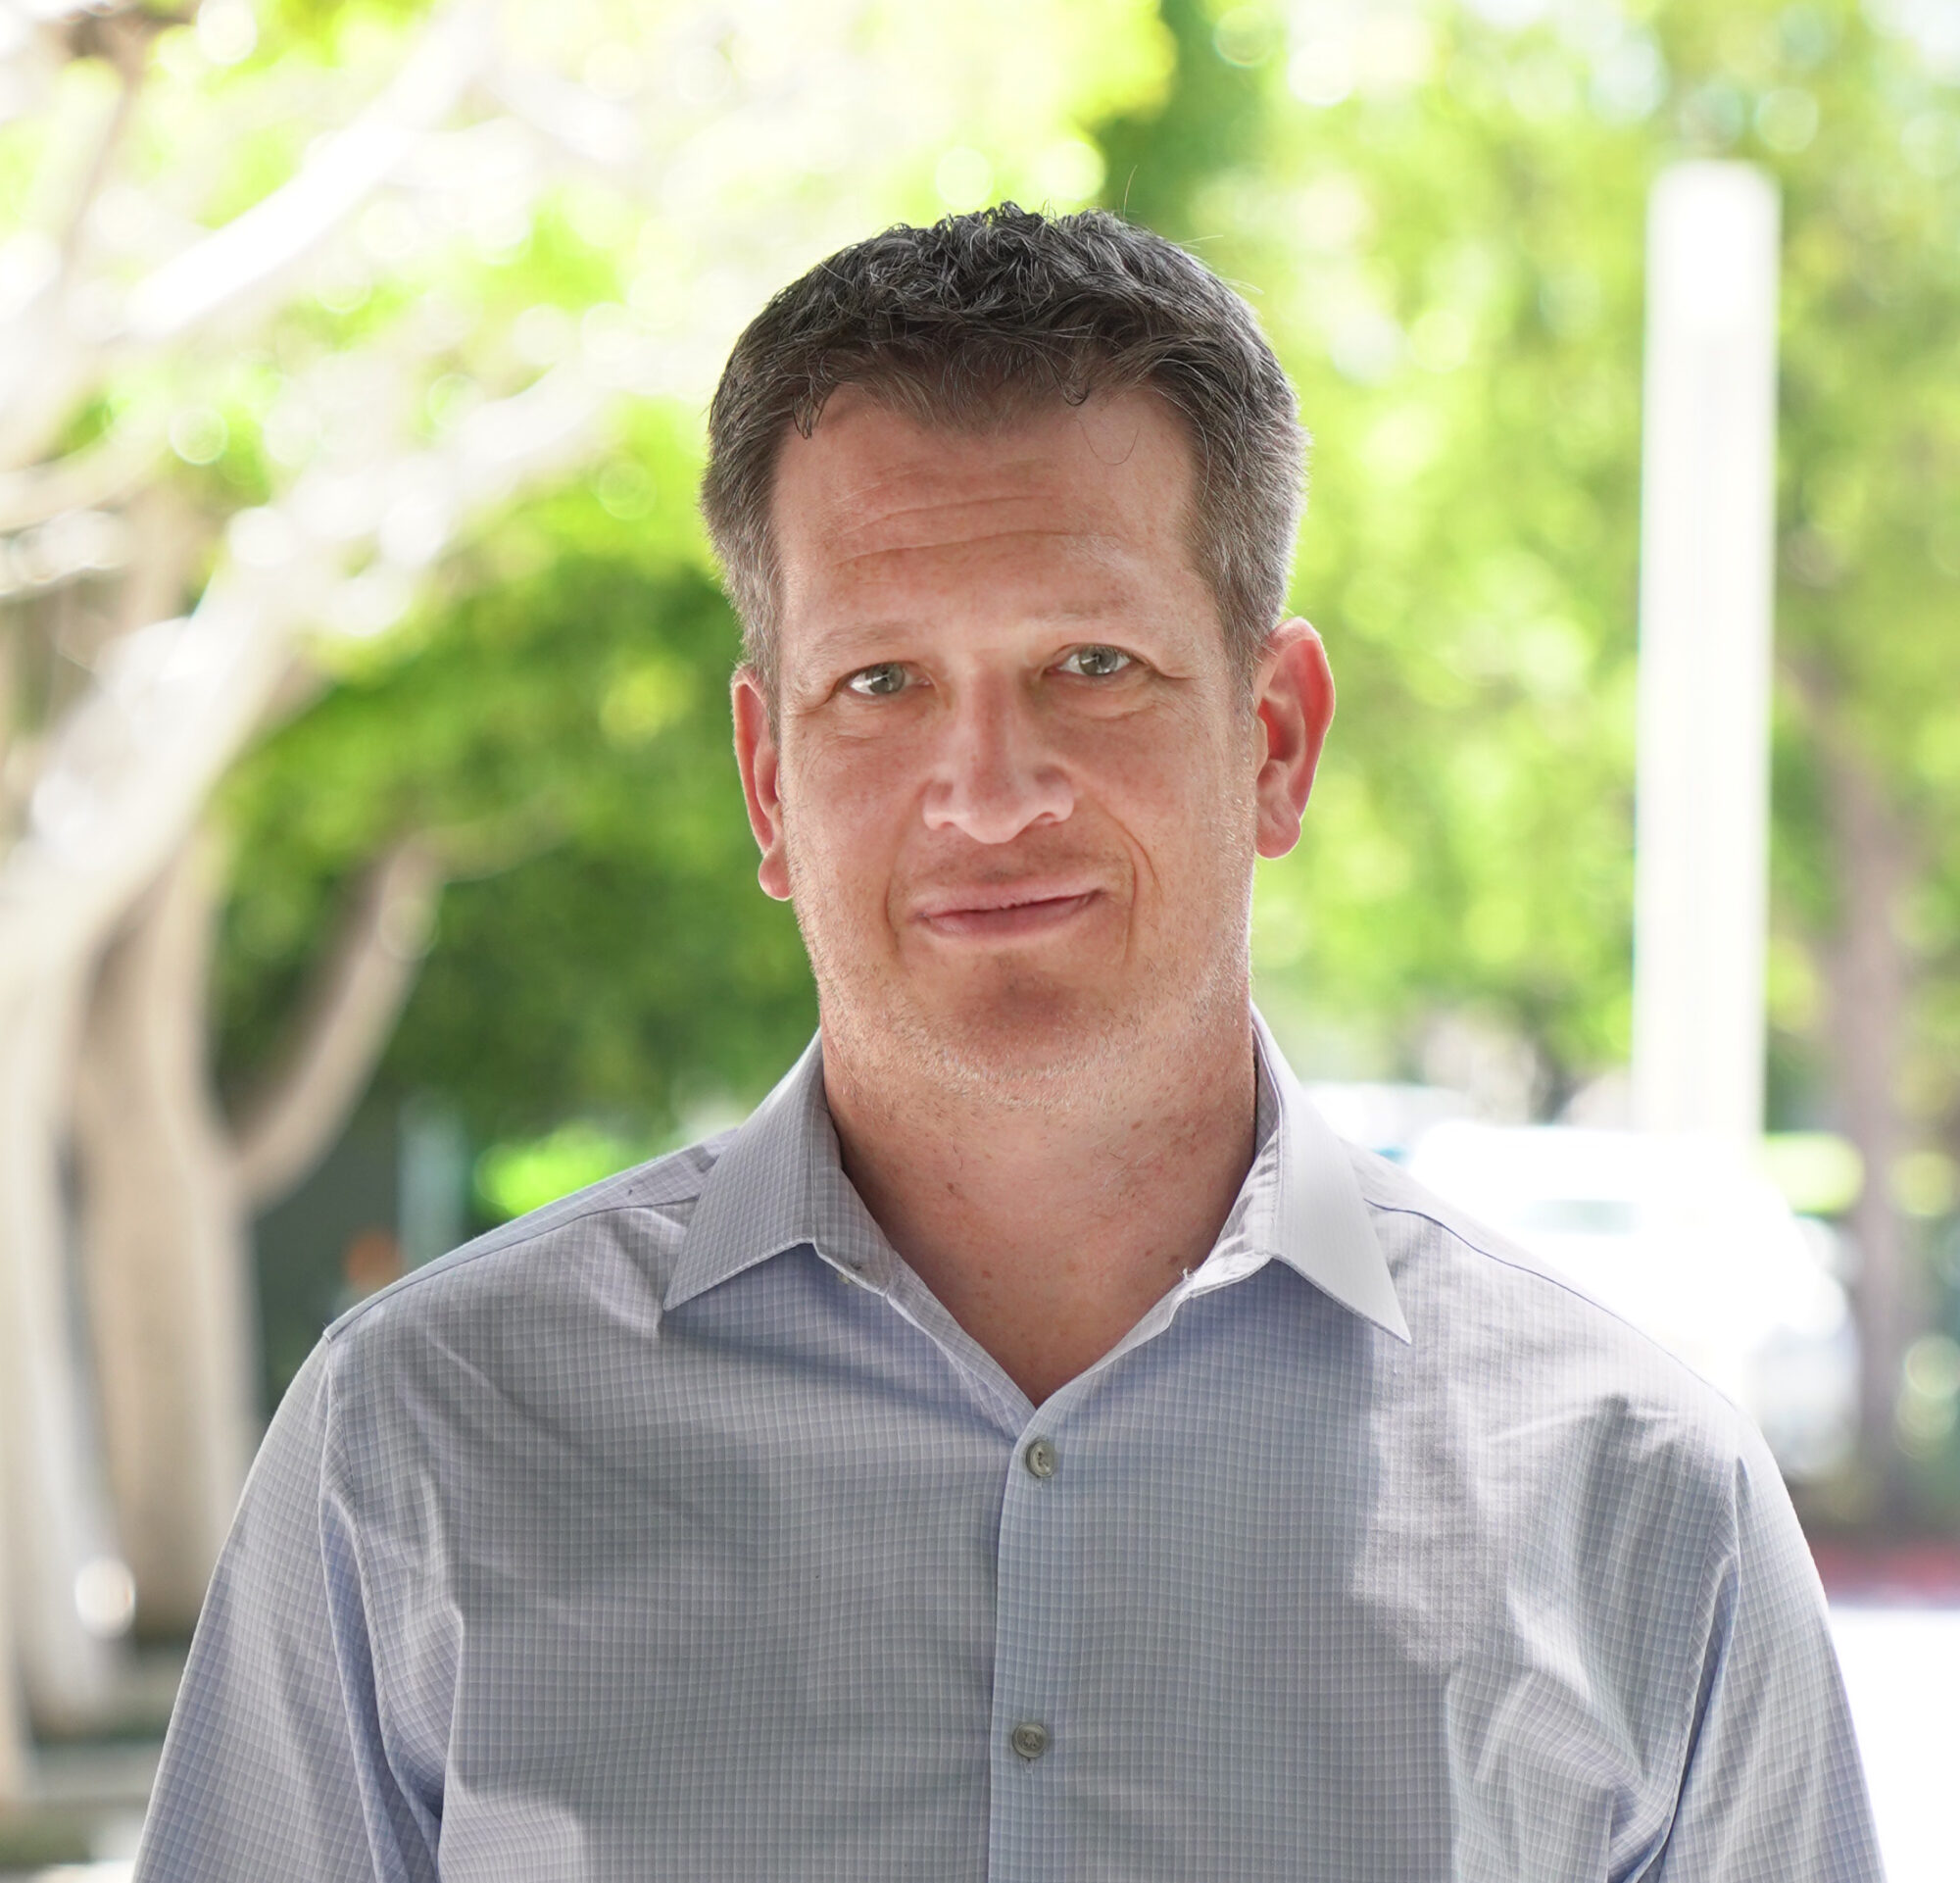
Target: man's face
<point>1015,788</point>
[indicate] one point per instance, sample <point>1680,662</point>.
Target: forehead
<point>875,497</point>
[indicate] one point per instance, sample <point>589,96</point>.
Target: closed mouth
<point>1003,910</point>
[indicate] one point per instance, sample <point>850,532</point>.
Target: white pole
<point>1707,548</point>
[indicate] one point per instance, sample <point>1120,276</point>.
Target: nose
<point>993,775</point>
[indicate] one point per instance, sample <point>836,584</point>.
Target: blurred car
<point>1687,1242</point>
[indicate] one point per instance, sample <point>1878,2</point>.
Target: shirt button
<point>1039,1458</point>
<point>1029,1738</point>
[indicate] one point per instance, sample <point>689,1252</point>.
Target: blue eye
<point>1095,663</point>
<point>878,682</point>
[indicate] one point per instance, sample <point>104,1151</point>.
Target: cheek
<point>1182,798</point>
<point>846,811</point>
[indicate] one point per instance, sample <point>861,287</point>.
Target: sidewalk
<point>85,1812</point>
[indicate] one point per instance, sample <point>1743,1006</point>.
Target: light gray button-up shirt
<point>677,1531</point>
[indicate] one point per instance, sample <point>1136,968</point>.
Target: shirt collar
<point>1312,1217</point>
<point>780,1184</point>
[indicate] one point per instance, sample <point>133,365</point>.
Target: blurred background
<point>373,865</point>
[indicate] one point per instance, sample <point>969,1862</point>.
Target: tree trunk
<point>164,1196</point>
<point>163,1256</point>
<point>128,769</point>
<point>343,1027</point>
<point>56,1517</point>
<point>1869,977</point>
<point>13,1710</point>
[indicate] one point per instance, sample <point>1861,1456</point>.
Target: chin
<point>1013,1032</point>
<point>1037,1041</point>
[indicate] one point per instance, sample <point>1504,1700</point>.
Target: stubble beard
<point>1027,1041</point>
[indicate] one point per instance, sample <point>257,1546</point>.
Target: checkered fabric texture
<point>677,1532</point>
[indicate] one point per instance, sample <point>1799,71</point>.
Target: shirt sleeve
<point>274,1766</point>
<point>1773,1790</point>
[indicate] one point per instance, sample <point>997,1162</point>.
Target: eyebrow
<point>850,638</point>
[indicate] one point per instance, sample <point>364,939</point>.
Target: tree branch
<point>121,41</point>
<point>348,1022</point>
<point>99,473</point>
<point>128,768</point>
<point>252,250</point>
<point>48,357</point>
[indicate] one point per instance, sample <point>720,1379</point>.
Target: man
<point>1032,1446</point>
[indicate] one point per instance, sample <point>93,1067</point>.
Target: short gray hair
<point>999,311</point>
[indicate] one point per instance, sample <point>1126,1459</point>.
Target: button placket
<point>1033,1654</point>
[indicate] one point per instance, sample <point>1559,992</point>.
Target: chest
<point>892,1643</point>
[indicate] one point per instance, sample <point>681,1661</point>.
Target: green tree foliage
<point>559,729</point>
<point>1442,220</point>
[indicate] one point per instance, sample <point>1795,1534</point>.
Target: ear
<point>756,756</point>
<point>1294,702</point>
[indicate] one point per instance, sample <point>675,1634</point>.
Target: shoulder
<point>1522,1351</point>
<point>1477,1286</point>
<point>1580,1527</point>
<point>1593,1471</point>
<point>604,1254</point>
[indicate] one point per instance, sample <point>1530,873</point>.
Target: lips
<point>1000,910</point>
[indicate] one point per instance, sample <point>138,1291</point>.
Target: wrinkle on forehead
<point>1023,550</point>
<point>911,522</point>
<point>954,543</point>
<point>922,485</point>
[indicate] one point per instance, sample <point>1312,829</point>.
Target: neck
<point>1048,1228</point>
